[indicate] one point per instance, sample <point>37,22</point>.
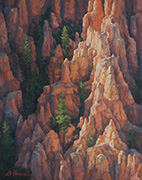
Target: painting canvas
<point>71,89</point>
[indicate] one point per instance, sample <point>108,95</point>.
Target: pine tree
<point>82,92</point>
<point>27,53</point>
<point>39,36</point>
<point>63,118</point>
<point>65,43</point>
<point>90,141</point>
<point>7,150</point>
<point>27,59</point>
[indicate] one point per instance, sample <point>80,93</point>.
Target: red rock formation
<point>69,10</point>
<point>39,163</point>
<point>55,66</point>
<point>48,40</point>
<point>52,146</point>
<point>64,171</point>
<point>33,53</point>
<point>13,23</point>
<point>56,7</point>
<point>81,63</point>
<point>20,40</point>
<point>8,82</point>
<point>3,33</point>
<point>23,14</point>
<point>93,17</point>
<point>12,106</point>
<point>56,21</point>
<point>70,90</point>
<point>35,7</point>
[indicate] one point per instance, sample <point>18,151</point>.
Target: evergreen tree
<point>90,141</point>
<point>27,59</point>
<point>7,150</point>
<point>63,118</point>
<point>65,43</point>
<point>32,92</point>
<point>132,141</point>
<point>39,36</point>
<point>27,53</point>
<point>81,39</point>
<point>37,82</point>
<point>82,92</point>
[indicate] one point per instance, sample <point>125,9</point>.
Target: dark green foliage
<point>15,66</point>
<point>132,139</point>
<point>7,151</point>
<point>54,125</point>
<point>65,43</point>
<point>34,81</point>
<point>27,53</point>
<point>82,92</point>
<point>77,130</point>
<point>27,59</point>
<point>31,93</point>
<point>45,71</point>
<point>42,64</point>
<point>81,39</point>
<point>63,118</point>
<point>82,97</point>
<point>90,141</point>
<point>39,36</point>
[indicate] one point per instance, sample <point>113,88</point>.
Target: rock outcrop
<point>3,34</point>
<point>48,40</point>
<point>7,81</point>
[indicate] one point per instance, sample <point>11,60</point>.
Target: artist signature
<point>16,173</point>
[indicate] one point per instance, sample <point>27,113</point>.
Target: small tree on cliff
<point>7,150</point>
<point>90,141</point>
<point>65,43</point>
<point>27,58</point>
<point>63,118</point>
<point>27,54</point>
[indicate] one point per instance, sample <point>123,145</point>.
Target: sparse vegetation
<point>63,117</point>
<point>32,86</point>
<point>65,43</point>
<point>90,141</point>
<point>7,151</point>
<point>27,59</point>
<point>81,39</point>
<point>31,93</point>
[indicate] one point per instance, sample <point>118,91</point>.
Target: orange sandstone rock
<point>8,82</point>
<point>3,33</point>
